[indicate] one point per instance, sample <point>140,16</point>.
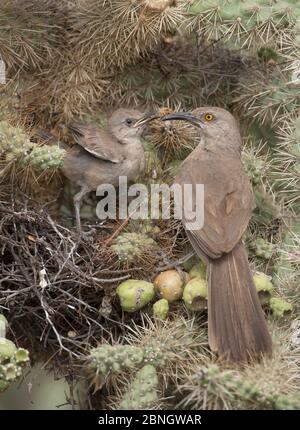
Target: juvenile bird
<point>236,324</point>
<point>102,155</point>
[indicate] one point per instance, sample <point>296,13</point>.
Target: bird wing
<point>228,202</point>
<point>98,142</point>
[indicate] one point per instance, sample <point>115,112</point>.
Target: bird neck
<point>134,149</point>
<point>231,143</point>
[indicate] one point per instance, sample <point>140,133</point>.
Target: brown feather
<point>98,142</point>
<point>237,326</point>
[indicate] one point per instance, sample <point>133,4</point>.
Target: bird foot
<point>175,264</point>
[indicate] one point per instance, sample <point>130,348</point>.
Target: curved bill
<point>183,116</point>
<point>145,119</point>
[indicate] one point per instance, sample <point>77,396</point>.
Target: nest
<point>50,284</point>
<point>58,288</point>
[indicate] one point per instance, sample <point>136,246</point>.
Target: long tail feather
<point>236,322</point>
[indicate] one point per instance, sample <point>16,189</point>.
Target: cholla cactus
<point>45,157</point>
<point>280,307</point>
<point>172,76</point>
<point>142,392</point>
<point>267,210</point>
<point>16,146</point>
<point>131,246</point>
<point>287,266</point>
<point>262,248</point>
<point>287,161</point>
<point>107,359</point>
<point>246,22</point>
<point>268,101</point>
<point>12,359</point>
<point>27,34</point>
<point>70,86</point>
<point>212,382</point>
<point>115,33</point>
<point>146,227</point>
<point>170,347</point>
<point>256,163</point>
<point>114,359</point>
<point>13,141</point>
<point>269,384</point>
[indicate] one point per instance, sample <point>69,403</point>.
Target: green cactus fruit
<point>264,287</point>
<point>3,320</point>
<point>3,325</point>
<point>135,294</point>
<point>169,285</point>
<point>113,359</point>
<point>195,294</point>
<point>142,392</point>
<point>11,371</point>
<point>7,349</point>
<point>280,307</point>
<point>198,271</point>
<point>21,356</point>
<point>161,309</point>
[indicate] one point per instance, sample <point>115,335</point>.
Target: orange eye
<point>209,117</point>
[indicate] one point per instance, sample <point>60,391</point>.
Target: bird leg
<point>174,264</point>
<point>77,204</point>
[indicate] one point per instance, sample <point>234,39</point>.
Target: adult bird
<point>236,324</point>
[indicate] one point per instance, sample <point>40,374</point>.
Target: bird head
<point>212,121</point>
<point>124,124</point>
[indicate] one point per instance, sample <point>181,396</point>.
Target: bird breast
<point>86,170</point>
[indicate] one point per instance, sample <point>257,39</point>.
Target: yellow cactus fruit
<point>169,285</point>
